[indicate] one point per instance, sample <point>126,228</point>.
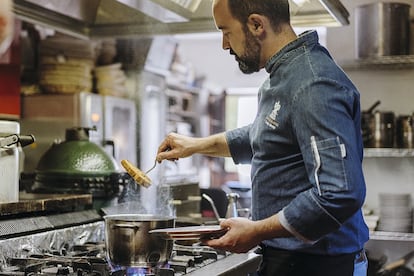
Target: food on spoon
<point>139,177</point>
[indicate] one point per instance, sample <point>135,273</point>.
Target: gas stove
<point>89,259</point>
<point>64,235</point>
<point>80,251</point>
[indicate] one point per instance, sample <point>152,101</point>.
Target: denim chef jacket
<point>305,149</point>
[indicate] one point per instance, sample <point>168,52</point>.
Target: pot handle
<point>110,143</point>
<point>377,103</point>
<point>125,225</point>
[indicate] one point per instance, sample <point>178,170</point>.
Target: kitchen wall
<point>395,89</point>
<point>220,69</point>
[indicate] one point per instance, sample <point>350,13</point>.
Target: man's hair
<point>277,11</point>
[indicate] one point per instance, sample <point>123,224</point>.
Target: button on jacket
<point>306,150</point>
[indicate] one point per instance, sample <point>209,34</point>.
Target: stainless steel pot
<point>128,242</point>
<point>382,29</point>
<point>405,131</point>
<point>378,128</point>
<point>368,124</point>
<point>384,129</point>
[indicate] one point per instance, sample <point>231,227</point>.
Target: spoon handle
<point>153,167</point>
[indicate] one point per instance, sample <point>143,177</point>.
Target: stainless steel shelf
<point>380,63</point>
<point>388,152</point>
<point>391,236</point>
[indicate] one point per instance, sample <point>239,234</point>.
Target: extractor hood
<point>130,18</point>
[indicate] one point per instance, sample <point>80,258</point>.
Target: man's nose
<point>225,44</point>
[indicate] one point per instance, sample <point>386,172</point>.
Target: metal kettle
<point>232,211</point>
<point>11,143</point>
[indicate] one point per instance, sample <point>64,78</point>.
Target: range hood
<point>90,19</point>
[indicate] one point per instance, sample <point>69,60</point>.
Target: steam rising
<point>131,202</point>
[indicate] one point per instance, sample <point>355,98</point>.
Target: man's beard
<point>249,62</point>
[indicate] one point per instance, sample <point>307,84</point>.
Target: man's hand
<point>241,236</point>
<point>244,234</point>
<point>175,146</point>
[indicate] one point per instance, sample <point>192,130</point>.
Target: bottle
<point>232,207</point>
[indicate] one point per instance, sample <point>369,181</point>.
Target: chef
<point>304,146</point>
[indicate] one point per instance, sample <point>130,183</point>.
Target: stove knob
<point>62,271</point>
<point>198,259</point>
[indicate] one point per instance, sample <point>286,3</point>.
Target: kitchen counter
<point>39,203</point>
<point>232,265</point>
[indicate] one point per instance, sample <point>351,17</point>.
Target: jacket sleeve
<point>328,132</point>
<point>239,145</point>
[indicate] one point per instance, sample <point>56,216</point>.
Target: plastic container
<point>9,164</point>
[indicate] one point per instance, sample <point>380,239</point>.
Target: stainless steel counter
<point>232,265</point>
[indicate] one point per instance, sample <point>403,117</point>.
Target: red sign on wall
<point>10,78</point>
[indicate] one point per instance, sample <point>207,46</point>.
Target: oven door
<point>120,131</point>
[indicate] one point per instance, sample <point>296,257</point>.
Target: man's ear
<point>255,23</point>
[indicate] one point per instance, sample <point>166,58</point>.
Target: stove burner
<point>143,271</point>
<point>90,260</point>
<point>57,265</point>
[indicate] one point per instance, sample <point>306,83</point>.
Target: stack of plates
<point>66,65</point>
<point>111,80</point>
<point>395,213</point>
<point>203,232</point>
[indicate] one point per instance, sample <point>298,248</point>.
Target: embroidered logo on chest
<point>271,119</point>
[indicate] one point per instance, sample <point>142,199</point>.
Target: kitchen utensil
<point>140,177</point>
<point>382,29</point>
<point>232,211</point>
<point>371,109</point>
<point>378,128</point>
<point>384,132</point>
<point>404,131</point>
<point>368,124</point>
<point>129,243</point>
<point>10,145</point>
<point>202,232</point>
<point>153,167</point>
<point>24,140</point>
<point>213,206</point>
<point>406,262</point>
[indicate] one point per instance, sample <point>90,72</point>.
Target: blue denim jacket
<point>306,150</point>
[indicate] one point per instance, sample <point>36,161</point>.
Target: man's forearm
<point>214,145</point>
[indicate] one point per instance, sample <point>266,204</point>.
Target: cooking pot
<point>378,128</point>
<point>368,124</point>
<point>384,129</point>
<point>404,131</point>
<point>382,29</point>
<point>128,242</point>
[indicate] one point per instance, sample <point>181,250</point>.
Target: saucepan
<point>368,124</point>
<point>405,131</point>
<point>378,127</point>
<point>128,242</point>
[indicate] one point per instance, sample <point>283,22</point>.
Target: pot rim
<point>138,217</point>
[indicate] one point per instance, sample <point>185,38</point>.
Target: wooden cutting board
<point>42,203</point>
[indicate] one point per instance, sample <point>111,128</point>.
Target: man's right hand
<point>175,146</point>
